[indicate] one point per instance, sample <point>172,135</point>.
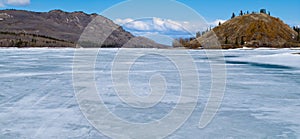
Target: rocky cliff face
<point>253,30</point>
<point>56,28</point>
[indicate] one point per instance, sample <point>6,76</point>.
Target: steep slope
<point>56,28</point>
<point>252,30</point>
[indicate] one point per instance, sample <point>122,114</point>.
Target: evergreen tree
<point>220,23</point>
<point>241,14</point>
<point>233,16</point>
<point>181,41</point>
<point>198,34</point>
<point>297,29</point>
<point>242,40</point>
<point>25,44</point>
<point>12,43</point>
<point>263,11</point>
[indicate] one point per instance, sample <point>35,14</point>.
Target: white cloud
<point>131,24</point>
<point>14,2</point>
<point>138,25</point>
<point>161,26</point>
<point>17,2</point>
<point>123,21</point>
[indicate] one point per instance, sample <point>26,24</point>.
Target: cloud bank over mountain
<point>168,27</point>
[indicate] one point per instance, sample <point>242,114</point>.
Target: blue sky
<point>162,16</point>
<point>209,9</point>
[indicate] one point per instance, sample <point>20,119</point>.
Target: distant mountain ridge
<point>56,28</point>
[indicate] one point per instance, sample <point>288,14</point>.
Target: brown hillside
<point>253,30</point>
<point>56,28</point>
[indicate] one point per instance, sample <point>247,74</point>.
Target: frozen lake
<point>262,97</point>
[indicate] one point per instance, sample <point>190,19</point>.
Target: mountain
<point>57,28</point>
<point>251,30</point>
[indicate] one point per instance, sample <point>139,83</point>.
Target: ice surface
<point>262,98</point>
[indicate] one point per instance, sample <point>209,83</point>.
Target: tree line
<point>241,13</point>
<point>21,39</point>
<point>185,42</point>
